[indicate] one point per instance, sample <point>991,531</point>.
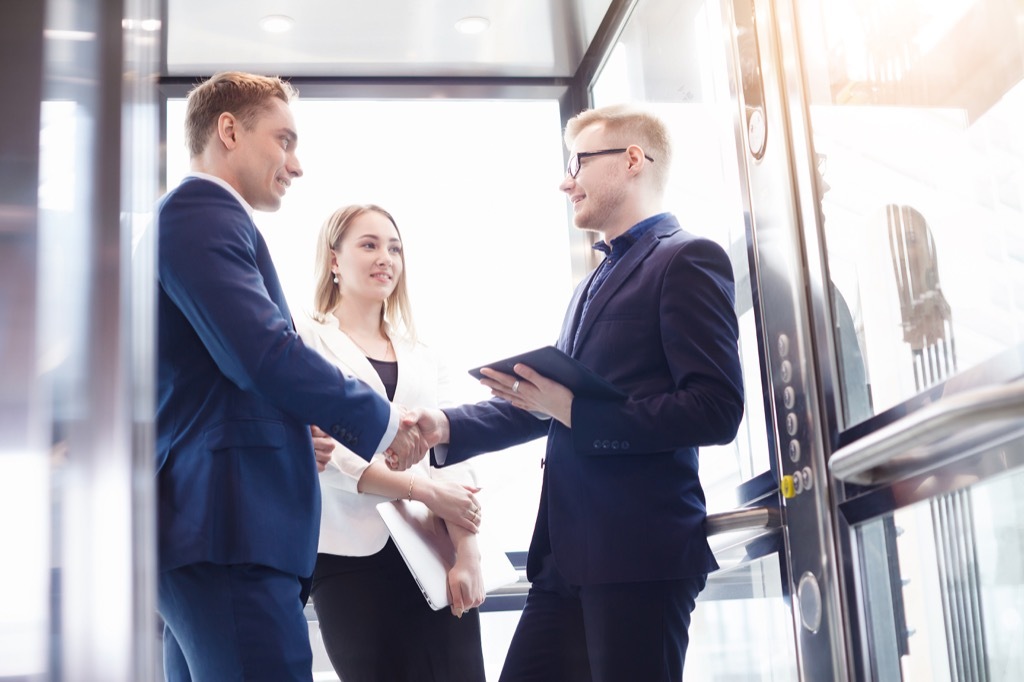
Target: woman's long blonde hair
<point>396,313</point>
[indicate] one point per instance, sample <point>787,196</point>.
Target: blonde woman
<point>375,623</point>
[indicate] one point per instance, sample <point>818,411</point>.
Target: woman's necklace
<point>388,349</point>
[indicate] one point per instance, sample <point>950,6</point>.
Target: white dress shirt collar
<point>223,183</point>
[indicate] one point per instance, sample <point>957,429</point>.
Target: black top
<point>388,373</point>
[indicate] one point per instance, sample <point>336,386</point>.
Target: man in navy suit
<point>619,552</point>
<point>239,500</point>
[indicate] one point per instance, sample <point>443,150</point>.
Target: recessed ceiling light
<point>75,36</point>
<point>472,25</point>
<point>150,25</point>
<point>276,23</point>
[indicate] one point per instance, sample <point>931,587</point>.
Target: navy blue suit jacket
<point>237,389</point>
<point>621,500</point>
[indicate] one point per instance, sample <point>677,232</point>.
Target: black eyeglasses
<point>575,160</point>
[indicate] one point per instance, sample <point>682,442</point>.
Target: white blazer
<point>349,523</point>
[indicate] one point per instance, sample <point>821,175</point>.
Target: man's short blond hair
<point>627,124</point>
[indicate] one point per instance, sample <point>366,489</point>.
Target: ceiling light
<point>276,23</point>
<point>74,36</point>
<point>472,25</point>
<point>151,25</point>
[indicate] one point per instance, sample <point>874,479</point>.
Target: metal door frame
<point>788,268</point>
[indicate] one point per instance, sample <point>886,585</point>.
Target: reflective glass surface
<point>944,585</point>
<point>915,110</point>
<point>742,628</point>
<point>669,58</point>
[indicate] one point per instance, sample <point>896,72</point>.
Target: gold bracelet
<point>411,479</point>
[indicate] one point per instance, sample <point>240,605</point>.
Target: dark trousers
<point>601,633</point>
<point>377,627</point>
<point>234,623</point>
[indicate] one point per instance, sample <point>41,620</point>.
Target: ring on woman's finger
<point>515,386</point>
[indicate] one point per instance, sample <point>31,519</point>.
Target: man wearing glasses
<point>619,552</point>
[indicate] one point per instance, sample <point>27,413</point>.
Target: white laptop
<point>423,541</point>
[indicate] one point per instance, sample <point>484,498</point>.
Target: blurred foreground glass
<point>914,109</point>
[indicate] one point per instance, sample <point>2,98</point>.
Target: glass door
<point>909,172</point>
<point>913,116</point>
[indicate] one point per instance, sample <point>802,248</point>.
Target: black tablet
<point>557,366</point>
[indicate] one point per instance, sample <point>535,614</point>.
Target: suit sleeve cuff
<point>438,454</point>
<point>391,431</point>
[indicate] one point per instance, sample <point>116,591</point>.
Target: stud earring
<point>335,279</point>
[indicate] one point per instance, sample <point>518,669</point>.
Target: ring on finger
<point>515,386</point>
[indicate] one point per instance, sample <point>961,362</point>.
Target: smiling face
<point>369,261</point>
<point>599,189</point>
<point>263,161</point>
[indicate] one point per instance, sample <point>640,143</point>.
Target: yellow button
<point>787,487</point>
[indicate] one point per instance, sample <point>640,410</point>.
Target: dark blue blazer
<point>621,500</point>
<point>237,389</point>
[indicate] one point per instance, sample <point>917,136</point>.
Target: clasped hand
<point>323,447</point>
<point>408,447</point>
<point>456,503</point>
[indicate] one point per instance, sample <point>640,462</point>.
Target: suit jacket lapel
<point>270,278</point>
<point>348,354</point>
<point>618,276</point>
<point>572,315</point>
<point>264,263</point>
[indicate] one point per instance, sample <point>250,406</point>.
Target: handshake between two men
<point>419,430</point>
<point>423,428</point>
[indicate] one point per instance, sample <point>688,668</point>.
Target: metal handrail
<point>520,587</point>
<point>924,438</point>
<point>753,518</point>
